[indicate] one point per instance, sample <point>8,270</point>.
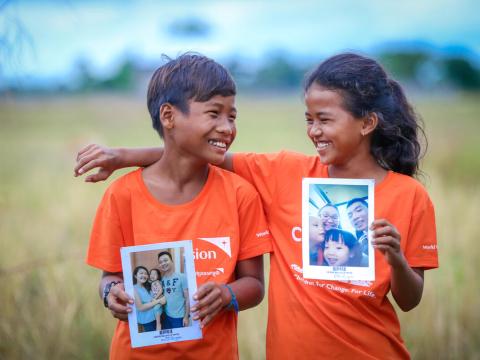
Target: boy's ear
<point>370,123</point>
<point>167,118</point>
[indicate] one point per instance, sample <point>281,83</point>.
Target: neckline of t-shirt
<point>378,186</point>
<point>187,205</point>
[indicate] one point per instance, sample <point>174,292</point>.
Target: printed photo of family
<point>335,237</point>
<point>162,285</point>
<point>161,292</point>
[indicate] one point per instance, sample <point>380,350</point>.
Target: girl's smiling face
<point>336,253</point>
<point>337,135</point>
<point>142,276</point>
<point>153,275</point>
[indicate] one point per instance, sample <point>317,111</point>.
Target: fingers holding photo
<point>119,302</point>
<point>386,239</point>
<point>210,300</point>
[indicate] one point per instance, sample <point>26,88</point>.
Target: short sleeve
<point>259,170</point>
<point>421,247</point>
<point>106,237</point>
<point>255,237</point>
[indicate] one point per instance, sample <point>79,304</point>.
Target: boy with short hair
<point>191,100</point>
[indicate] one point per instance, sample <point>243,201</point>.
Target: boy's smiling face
<point>207,131</point>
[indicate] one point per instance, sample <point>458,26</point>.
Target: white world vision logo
<point>223,243</point>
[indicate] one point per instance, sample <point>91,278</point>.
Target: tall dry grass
<point>50,307</point>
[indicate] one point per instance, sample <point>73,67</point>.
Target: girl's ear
<point>370,123</point>
<point>167,118</point>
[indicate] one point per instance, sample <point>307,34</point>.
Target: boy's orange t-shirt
<point>227,207</point>
<point>310,319</point>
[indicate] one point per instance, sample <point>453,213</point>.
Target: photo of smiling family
<point>336,214</point>
<point>161,280</point>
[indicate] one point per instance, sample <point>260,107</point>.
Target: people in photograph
<point>154,275</point>
<point>357,211</point>
<point>157,285</point>
<point>330,217</point>
<point>316,232</point>
<point>341,248</point>
<point>144,301</point>
<point>175,288</point>
<point>362,127</point>
<point>157,293</point>
<point>191,101</point>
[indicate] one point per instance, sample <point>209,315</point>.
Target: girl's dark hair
<point>347,238</point>
<point>366,88</point>
<point>340,236</point>
<point>135,271</point>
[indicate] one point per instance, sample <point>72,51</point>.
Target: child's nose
<point>226,126</point>
<point>315,129</point>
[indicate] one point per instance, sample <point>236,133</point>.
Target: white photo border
<point>157,337</point>
<point>326,272</point>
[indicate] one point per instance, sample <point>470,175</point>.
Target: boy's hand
<point>92,156</point>
<point>386,239</point>
<point>119,302</point>
<point>211,298</point>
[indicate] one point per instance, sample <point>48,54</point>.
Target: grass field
<point>50,306</point>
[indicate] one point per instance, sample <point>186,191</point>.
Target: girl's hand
<point>211,298</point>
<point>386,239</point>
<point>119,302</point>
<point>92,156</point>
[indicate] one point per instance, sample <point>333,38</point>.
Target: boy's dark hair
<point>188,77</point>
<point>366,88</point>
<point>357,200</point>
<point>164,253</point>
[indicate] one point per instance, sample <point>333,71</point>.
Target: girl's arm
<point>406,283</point>
<point>107,160</point>
<point>144,306</point>
<point>249,289</point>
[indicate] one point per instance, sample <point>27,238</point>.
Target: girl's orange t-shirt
<point>316,319</point>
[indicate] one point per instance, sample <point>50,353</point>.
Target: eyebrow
<point>320,113</point>
<point>220,105</point>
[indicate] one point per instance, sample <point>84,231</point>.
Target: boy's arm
<point>107,160</point>
<point>406,283</point>
<point>118,301</point>
<point>249,290</point>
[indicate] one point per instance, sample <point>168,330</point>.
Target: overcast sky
<point>56,34</point>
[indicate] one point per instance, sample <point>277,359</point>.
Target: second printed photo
<point>335,229</point>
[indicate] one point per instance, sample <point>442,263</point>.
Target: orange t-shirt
<point>310,319</point>
<point>227,207</point>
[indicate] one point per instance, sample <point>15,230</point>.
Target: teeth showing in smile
<point>219,144</point>
<point>322,145</point>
